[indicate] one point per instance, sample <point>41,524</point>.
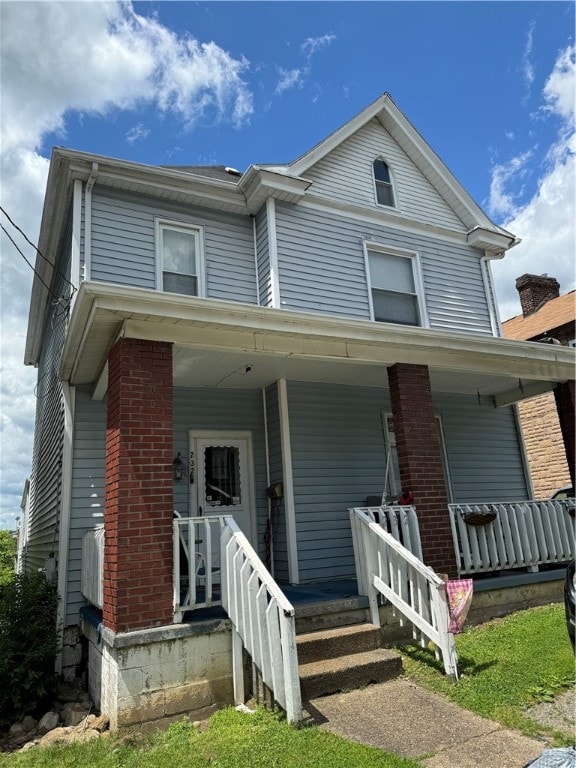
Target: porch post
<point>564,396</point>
<point>420,461</point>
<point>138,512</point>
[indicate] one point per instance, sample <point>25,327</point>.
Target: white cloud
<point>295,78</point>
<point>88,58</point>
<point>560,91</point>
<point>527,66</point>
<point>546,223</point>
<point>137,133</point>
<point>502,197</point>
<point>313,44</point>
<point>290,78</point>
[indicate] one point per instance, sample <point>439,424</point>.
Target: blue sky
<point>489,85</point>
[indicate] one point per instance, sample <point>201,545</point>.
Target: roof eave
<point>52,223</point>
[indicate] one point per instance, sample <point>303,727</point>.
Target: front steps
<point>344,658</point>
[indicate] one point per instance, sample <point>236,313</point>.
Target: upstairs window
<point>395,288</point>
<point>383,184</point>
<point>180,259</point>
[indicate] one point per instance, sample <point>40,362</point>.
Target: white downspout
<point>256,259</point>
<point>490,292</point>
<point>68,395</point>
<point>88,221</point>
<point>273,251</point>
<point>76,235</point>
<point>523,452</point>
<point>289,505</point>
<point>267,452</point>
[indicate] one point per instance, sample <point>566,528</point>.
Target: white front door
<point>222,477</point>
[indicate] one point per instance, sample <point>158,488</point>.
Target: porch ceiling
<point>230,345</point>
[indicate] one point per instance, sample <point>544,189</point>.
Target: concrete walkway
<point>400,716</point>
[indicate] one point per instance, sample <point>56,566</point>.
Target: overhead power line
<point>38,251</point>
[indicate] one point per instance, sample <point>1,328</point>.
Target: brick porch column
<point>420,461</point>
<point>564,396</point>
<point>139,498</point>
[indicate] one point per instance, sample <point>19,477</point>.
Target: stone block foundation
<point>155,676</point>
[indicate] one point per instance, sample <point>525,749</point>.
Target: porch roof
<point>232,345</point>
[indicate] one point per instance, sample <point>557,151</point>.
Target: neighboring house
<point>546,317</point>
<point>326,330</point>
<point>22,533</point>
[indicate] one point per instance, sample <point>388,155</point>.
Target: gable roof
<point>551,315</point>
<point>423,156</point>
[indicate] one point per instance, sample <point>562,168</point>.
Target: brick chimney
<point>536,290</point>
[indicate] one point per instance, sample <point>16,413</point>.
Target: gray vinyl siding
<point>280,546</point>
<point>124,250</point>
<point>46,475</point>
<point>484,450</point>
<point>263,251</point>
<point>346,174</point>
<point>88,486</point>
<point>322,269</point>
<point>339,458</point>
<point>230,410</point>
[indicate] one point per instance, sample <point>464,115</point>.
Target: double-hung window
<point>180,258</point>
<point>383,183</point>
<point>395,287</point>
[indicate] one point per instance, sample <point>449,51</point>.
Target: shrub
<point>28,646</point>
<point>7,555</point>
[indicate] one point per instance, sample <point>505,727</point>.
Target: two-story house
<point>277,345</point>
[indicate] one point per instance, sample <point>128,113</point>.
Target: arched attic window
<point>383,183</point>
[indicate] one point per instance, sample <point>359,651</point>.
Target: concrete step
<point>312,617</point>
<point>340,641</point>
<point>320,678</point>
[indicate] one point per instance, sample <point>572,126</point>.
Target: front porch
<point>492,541</point>
<point>199,663</point>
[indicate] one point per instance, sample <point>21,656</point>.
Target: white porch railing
<point>92,578</point>
<point>262,621</point>
<point>401,522</point>
<point>508,535</point>
<point>197,571</point>
<point>388,568</point>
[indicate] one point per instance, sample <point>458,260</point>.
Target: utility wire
<point>38,251</point>
<point>9,236</point>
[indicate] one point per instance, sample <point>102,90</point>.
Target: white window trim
<point>396,206</point>
<point>200,256</point>
<point>414,256</point>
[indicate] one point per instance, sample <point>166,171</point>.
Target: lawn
<point>233,740</point>
<point>506,665</point>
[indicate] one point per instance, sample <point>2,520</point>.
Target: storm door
<point>222,477</point>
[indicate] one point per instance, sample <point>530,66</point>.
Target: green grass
<point>506,665</point>
<point>233,740</point>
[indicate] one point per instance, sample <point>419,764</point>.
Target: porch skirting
<point>157,676</point>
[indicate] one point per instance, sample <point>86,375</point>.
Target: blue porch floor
<point>301,596</point>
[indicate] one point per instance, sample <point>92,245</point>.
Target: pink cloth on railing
<point>459,599</point>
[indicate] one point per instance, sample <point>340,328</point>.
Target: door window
<point>222,476</point>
